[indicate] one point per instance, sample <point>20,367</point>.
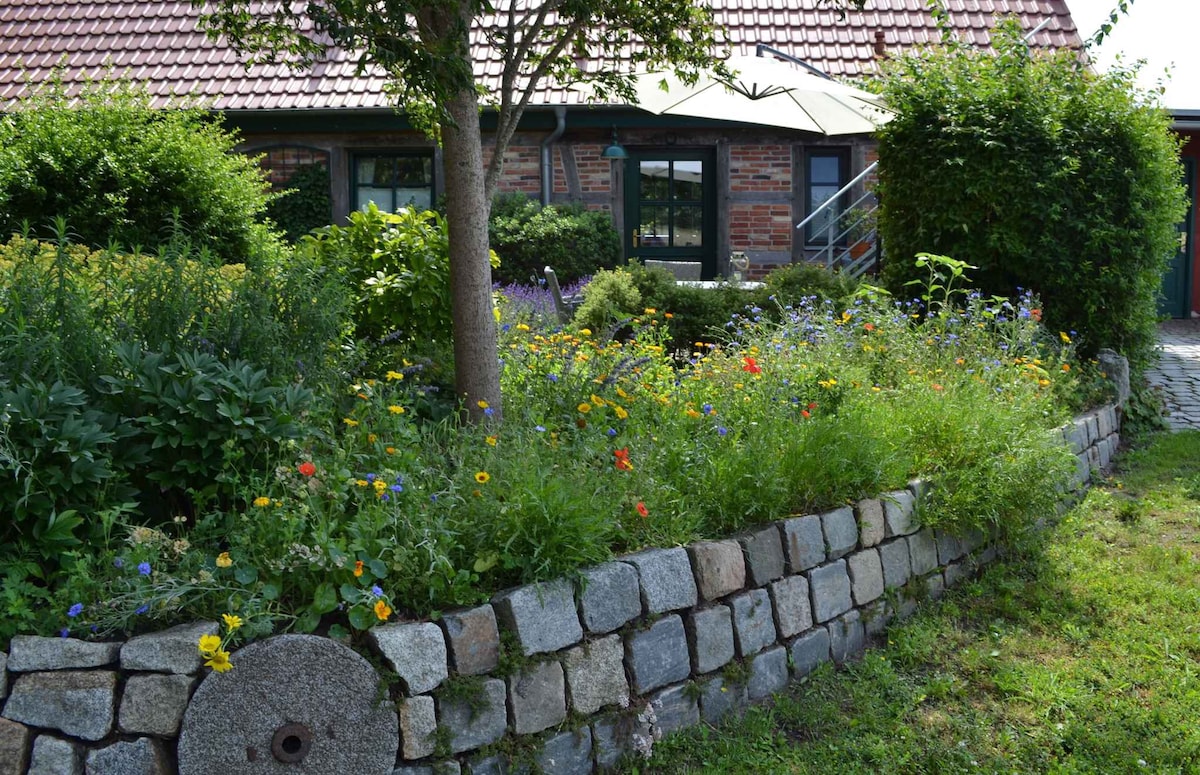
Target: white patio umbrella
<point>766,91</point>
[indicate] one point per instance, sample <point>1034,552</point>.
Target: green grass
<point>1079,656</point>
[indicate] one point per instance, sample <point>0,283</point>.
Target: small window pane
<point>413,171</point>
<point>824,169</point>
<point>688,181</point>
<point>382,197</point>
<point>653,179</point>
<point>687,231</point>
<point>655,226</point>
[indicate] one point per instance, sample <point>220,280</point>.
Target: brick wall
<point>281,163</point>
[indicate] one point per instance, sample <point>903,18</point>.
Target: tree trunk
<point>476,360</point>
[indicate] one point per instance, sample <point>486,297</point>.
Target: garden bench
<point>565,306</point>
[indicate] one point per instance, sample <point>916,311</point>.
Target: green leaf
<point>246,574</point>
<point>324,599</point>
<point>362,618</point>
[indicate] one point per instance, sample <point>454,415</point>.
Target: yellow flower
<point>585,331</point>
<point>1066,339</point>
<point>232,621</point>
<point>692,413</point>
<point>1066,367</point>
<point>481,404</point>
<point>380,486</point>
<point>262,501</point>
<point>361,482</point>
<point>372,438</point>
<point>584,408</point>
<point>219,662</point>
<point>224,560</point>
<point>394,375</point>
<point>491,441</point>
<point>522,327</point>
<point>651,310</point>
<point>620,412</point>
<point>597,400</point>
<point>390,450</point>
<point>350,422</point>
<point>209,644</point>
<point>396,409</point>
<point>382,610</point>
<point>483,477</point>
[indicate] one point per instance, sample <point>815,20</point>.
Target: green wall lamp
<point>615,150</point>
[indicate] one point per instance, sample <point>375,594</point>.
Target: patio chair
<point>565,306</point>
<point>683,270</point>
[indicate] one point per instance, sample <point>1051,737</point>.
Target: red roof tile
<point>156,41</point>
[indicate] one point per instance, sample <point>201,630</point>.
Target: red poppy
<point>1036,314</point>
<point>642,510</point>
<point>306,468</point>
<point>804,413</point>
<point>751,365</point>
<point>812,405</point>
<point>622,459</point>
<point>869,326</point>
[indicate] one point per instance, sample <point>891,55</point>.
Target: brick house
<point>690,189</point>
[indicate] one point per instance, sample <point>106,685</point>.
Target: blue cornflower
<point>489,411</point>
<point>397,488</point>
<point>75,610</point>
<point>118,563</point>
<point>64,632</point>
<point>706,409</point>
<point>552,377</point>
<point>540,428</point>
<point>384,498</point>
<point>142,609</point>
<point>376,591</point>
<point>722,430</point>
<point>611,432</point>
<point>144,568</point>
<point>370,477</point>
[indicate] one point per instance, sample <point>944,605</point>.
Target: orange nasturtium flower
<point>382,610</point>
<point>358,568</point>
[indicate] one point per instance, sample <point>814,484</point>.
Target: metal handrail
<point>831,201</point>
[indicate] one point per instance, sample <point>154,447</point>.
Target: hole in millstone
<point>291,744</point>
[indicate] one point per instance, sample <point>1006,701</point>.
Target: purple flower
<point>142,609</point>
<point>64,633</point>
<point>370,477</point>
<point>376,591</point>
<point>144,568</point>
<point>540,428</point>
<point>611,432</point>
<point>489,411</point>
<point>552,377</point>
<point>706,409</point>
<point>722,430</point>
<point>396,488</point>
<point>118,563</point>
<point>75,610</point>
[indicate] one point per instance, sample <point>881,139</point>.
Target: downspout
<point>560,126</point>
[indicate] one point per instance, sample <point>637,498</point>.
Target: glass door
<point>670,207</point>
<point>1177,281</point>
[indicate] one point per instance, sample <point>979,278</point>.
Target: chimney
<point>879,47</point>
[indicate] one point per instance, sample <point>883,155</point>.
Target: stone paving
<point>1177,374</point>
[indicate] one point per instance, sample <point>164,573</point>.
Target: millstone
<point>291,704</point>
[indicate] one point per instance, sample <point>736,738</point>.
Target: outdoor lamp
<point>615,150</point>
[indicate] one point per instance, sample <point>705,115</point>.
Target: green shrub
<point>608,299</point>
<point>119,171</point>
<point>398,265</point>
<point>304,205</point>
<point>571,239</point>
<point>1041,173</point>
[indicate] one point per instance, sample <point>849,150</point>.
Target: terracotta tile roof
<point>157,42</point>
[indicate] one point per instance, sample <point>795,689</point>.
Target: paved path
<point>1178,372</point>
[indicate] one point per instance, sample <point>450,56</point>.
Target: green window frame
<point>392,180</point>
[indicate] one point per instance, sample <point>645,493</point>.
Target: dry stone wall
<point>593,671</point>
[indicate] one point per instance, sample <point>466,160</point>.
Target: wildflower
<point>1066,367</point>
<point>805,413</point>
<point>118,563</point>
<point>262,501</point>
<point>708,409</point>
<point>390,450</point>
<point>585,331</point>
<point>722,430</point>
<point>668,315</point>
<point>620,412</point>
<point>642,510</point>
<point>750,365</point>
<point>584,408</point>
<point>382,610</point>
<point>376,590</point>
<point>372,438</point>
<point>481,404</point>
<point>936,386</point>
<point>219,662</point>
<point>144,568</point>
<point>75,610</point>
<point>396,409</point>
<point>142,609</point>
<point>597,400</point>
<point>868,327</point>
<point>358,568</point>
<point>379,486</point>
<point>361,482</point>
<point>827,383</point>
<point>483,477</point>
<point>209,644</point>
<point>350,422</point>
<point>622,459</point>
<point>65,632</point>
<point>491,441</point>
<point>611,432</point>
<point>224,560</point>
<point>397,487</point>
<point>1063,335</point>
<point>393,375</point>
<point>1036,314</point>
<point>232,621</point>
<point>306,468</point>
<point>522,327</point>
<point>692,413</point>
<point>540,428</point>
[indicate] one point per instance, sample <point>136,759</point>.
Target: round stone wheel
<point>291,704</point>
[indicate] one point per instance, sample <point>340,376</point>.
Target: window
<point>825,174</point>
<point>393,180</point>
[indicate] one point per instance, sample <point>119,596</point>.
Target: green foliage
<point>1044,175</point>
<point>571,239</point>
<point>608,299</point>
<point>305,204</point>
<point>119,171</point>
<point>398,265</point>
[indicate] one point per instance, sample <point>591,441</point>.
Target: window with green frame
<point>393,180</point>
<point>825,173</point>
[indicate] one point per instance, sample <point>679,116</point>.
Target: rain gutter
<point>560,125</point>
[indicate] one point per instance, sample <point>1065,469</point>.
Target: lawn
<point>1079,654</point>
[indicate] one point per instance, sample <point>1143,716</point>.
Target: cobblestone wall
<point>561,677</point>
